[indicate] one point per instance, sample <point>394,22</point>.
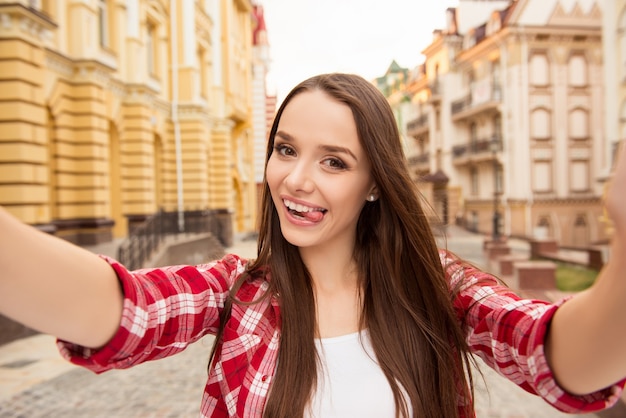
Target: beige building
<point>509,119</point>
<point>614,48</point>
<point>112,110</point>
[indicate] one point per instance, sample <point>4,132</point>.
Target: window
<point>577,71</point>
<point>151,48</point>
<point>473,132</point>
<point>539,70</point>
<point>580,234</point>
<point>543,229</point>
<point>499,179</point>
<point>578,124</point>
<point>202,70</point>
<point>469,77</point>
<point>495,73</point>
<point>473,221</point>
<point>540,121</point>
<point>103,23</point>
<point>474,181</point>
<point>497,127</point>
<point>542,176</point>
<point>579,180</point>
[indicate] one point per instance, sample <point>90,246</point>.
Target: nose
<point>300,177</point>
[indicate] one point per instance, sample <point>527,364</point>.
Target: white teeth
<point>298,207</point>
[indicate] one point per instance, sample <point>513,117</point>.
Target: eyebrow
<point>328,148</point>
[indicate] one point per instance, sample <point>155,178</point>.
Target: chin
<point>298,239</point>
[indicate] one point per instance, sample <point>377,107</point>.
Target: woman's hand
<point>55,287</point>
<point>586,344</point>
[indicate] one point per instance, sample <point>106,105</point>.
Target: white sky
<point>356,36</point>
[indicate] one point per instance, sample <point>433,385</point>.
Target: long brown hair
<point>406,298</point>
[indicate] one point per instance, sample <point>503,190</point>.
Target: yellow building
<point>111,110</point>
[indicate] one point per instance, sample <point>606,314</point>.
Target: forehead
<point>316,115</point>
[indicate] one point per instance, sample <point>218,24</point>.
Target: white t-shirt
<point>350,382</point>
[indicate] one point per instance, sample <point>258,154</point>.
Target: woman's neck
<point>331,268</point>
<point>334,276</point>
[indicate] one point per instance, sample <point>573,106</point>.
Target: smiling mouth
<point>304,212</point>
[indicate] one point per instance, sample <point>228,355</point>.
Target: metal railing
<point>419,159</point>
<point>477,146</point>
<point>469,100</point>
<point>146,238</point>
<point>417,123</point>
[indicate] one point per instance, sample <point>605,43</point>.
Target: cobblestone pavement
<point>35,382</point>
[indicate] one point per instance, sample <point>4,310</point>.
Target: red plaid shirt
<point>166,309</point>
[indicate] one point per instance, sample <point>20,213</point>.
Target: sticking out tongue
<point>313,216</point>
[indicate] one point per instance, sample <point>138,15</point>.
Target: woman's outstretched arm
<point>55,287</point>
<point>586,344</point>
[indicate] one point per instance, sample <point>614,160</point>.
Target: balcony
<point>435,91</point>
<point>417,126</point>
<point>420,162</point>
<point>477,150</point>
<point>483,97</point>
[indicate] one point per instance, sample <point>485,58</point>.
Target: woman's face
<point>318,173</point>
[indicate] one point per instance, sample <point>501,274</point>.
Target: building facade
<point>113,110</point>
<point>264,104</point>
<point>510,122</point>
<point>614,49</point>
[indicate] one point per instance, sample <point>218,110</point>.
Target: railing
<point>435,88</point>
<point>478,147</point>
<point>145,239</point>
<point>417,123</point>
<point>419,159</point>
<point>475,98</point>
<point>461,104</point>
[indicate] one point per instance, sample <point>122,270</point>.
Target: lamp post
<point>495,147</point>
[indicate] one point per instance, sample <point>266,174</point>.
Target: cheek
<point>272,175</point>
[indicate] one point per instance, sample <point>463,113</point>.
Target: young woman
<point>349,309</point>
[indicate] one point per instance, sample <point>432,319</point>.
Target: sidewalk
<point>36,383</point>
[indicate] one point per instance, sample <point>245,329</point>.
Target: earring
<point>371,197</point>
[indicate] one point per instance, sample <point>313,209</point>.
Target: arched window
<point>540,124</point>
<point>151,51</point>
<point>543,229</point>
<point>577,71</point>
<point>539,69</point>
<point>580,232</point>
<point>578,124</point>
<point>579,176</point>
<point>542,176</point>
<point>103,23</point>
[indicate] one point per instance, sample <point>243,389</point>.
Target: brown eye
<point>334,163</point>
<point>284,150</point>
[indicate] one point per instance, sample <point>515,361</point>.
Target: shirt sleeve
<point>164,310</point>
<point>508,333</point>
